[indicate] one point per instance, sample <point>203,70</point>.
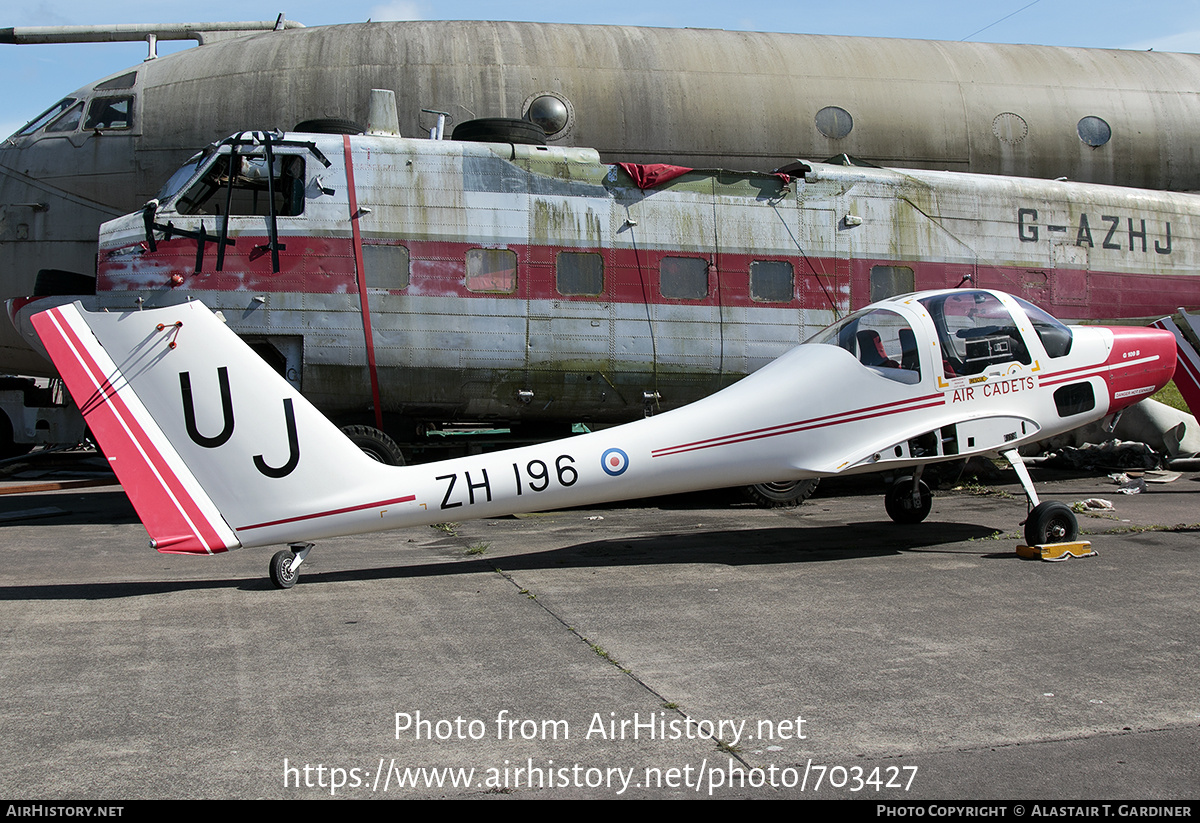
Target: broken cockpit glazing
<point>250,174</point>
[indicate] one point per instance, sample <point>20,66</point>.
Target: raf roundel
<point>614,462</point>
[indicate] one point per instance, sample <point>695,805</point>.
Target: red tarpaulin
<point>653,174</point>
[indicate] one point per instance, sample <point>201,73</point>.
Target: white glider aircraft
<point>217,451</point>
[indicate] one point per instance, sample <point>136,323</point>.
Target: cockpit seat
<point>871,351</point>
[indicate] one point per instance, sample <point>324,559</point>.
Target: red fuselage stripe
<point>806,425</point>
<point>323,264</point>
<point>299,518</point>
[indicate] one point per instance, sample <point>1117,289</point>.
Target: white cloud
<point>398,10</point>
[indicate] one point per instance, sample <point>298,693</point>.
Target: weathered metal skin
<point>695,97</point>
<point>773,260</point>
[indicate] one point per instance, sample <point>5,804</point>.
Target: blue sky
<point>37,76</point>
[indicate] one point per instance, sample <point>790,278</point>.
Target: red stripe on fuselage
<point>326,265</point>
<point>301,517</point>
<point>867,413</point>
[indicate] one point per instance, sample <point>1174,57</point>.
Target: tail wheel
<point>783,495</point>
<point>282,573</point>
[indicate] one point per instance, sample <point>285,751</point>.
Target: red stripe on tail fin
<point>168,500</point>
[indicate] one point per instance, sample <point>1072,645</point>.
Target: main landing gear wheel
<point>905,507</point>
<point>1051,522</point>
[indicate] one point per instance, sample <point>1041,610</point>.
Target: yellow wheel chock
<point>1057,551</point>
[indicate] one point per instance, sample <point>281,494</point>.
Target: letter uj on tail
<point>217,451</point>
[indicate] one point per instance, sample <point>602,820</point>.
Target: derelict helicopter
<point>644,95</point>
<point>404,285</point>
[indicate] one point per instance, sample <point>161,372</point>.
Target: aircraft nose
<point>1142,362</point>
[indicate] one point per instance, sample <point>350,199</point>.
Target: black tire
<point>783,495</point>
<point>1051,522</point>
<point>377,445</point>
<point>900,504</point>
<point>329,125</point>
<point>500,130</point>
<point>281,573</point>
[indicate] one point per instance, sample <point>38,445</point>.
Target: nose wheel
<point>1048,521</point>
<point>1051,522</point>
<point>285,565</point>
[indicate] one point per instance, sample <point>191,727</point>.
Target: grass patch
<point>980,490</point>
<point>1169,394</point>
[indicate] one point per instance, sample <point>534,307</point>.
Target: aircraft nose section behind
<point>1142,362</point>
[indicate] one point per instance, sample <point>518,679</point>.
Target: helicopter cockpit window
<point>125,81</point>
<point>975,331</point>
<point>248,191</point>
<point>183,174</point>
<point>68,120</point>
<point>882,340</point>
<point>46,116</point>
<point>109,113</point>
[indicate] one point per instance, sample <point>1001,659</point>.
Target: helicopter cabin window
<point>492,271</point>
<point>889,281</point>
<point>772,281</point>
<point>385,266</point>
<point>879,339</point>
<point>579,273</point>
<point>125,81</point>
<point>46,116</point>
<point>67,121</point>
<point>246,190</point>
<point>975,331</point>
<point>109,113</point>
<point>683,278</point>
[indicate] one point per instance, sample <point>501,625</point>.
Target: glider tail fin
<point>214,448</point>
<point>175,509</point>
